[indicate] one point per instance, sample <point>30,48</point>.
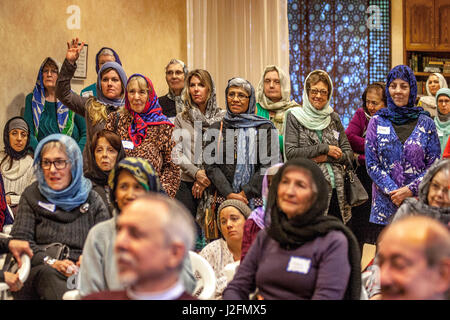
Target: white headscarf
<point>430,100</point>
<point>278,107</point>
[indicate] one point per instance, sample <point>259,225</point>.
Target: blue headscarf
<point>65,117</point>
<point>123,77</point>
<point>116,56</point>
<point>403,114</point>
<point>78,190</point>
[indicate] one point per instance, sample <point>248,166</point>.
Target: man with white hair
<point>154,234</point>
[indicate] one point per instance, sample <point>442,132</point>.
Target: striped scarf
<point>65,117</point>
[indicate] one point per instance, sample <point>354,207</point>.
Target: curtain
<point>337,37</point>
<point>236,38</point>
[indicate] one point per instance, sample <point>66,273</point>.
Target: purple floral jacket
<point>392,165</point>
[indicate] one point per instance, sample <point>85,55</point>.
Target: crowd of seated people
<point>124,183</point>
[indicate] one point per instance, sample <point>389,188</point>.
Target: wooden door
<point>420,24</point>
<point>442,24</point>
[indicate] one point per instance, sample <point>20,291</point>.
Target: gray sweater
<point>39,226</point>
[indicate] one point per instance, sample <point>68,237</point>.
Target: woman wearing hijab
<point>315,132</point>
<point>103,56</point>
<point>442,120</point>
<point>434,82</point>
<point>16,160</point>
<point>200,112</point>
<point>108,151</point>
<point>374,99</point>
<point>273,98</point>
<point>46,114</point>
<point>401,144</point>
<point>226,250</point>
<point>146,132</point>
<point>111,80</point>
<point>434,195</point>
<point>303,254</point>
<point>433,201</point>
<point>246,147</point>
<point>59,207</point>
<point>172,103</point>
<point>131,178</point>
<point>258,219</point>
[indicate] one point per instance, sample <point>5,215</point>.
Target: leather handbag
<point>209,223</point>
<point>355,194</point>
<point>56,250</point>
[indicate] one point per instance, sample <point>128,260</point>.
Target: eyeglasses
<point>177,73</point>
<point>444,101</point>
<point>59,164</point>
<point>438,188</point>
<point>372,103</point>
<point>314,92</point>
<point>240,96</point>
<point>45,71</point>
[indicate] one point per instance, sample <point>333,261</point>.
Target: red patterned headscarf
<point>151,115</point>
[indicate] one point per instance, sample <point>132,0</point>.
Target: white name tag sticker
<point>128,144</point>
<point>383,130</point>
<point>299,265</point>
<point>440,134</point>
<point>49,206</point>
<point>336,134</point>
<point>88,94</point>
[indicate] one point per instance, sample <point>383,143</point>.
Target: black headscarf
<point>97,175</point>
<point>8,149</point>
<point>293,233</point>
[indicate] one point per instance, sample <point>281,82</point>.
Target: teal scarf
<point>442,121</point>
<point>309,116</point>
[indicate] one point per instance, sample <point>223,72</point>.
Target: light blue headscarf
<point>308,115</point>
<point>78,190</point>
<point>442,121</point>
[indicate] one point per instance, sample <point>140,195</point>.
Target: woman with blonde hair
<point>200,111</point>
<point>111,80</point>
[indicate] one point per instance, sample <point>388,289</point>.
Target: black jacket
<point>222,174</point>
<point>167,106</point>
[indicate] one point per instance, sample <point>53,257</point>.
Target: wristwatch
<point>49,260</point>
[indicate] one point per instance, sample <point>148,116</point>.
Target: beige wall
<point>397,32</point>
<point>145,33</point>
